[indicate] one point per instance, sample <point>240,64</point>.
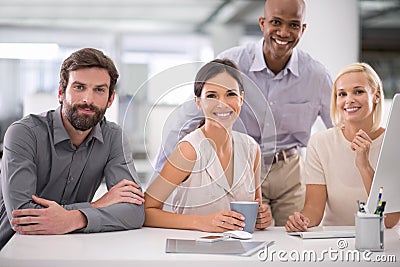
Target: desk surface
<point>146,247</point>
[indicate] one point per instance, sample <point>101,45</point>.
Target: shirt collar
<point>259,61</point>
<point>96,132</point>
<point>61,134</point>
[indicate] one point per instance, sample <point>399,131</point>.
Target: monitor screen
<point>387,172</point>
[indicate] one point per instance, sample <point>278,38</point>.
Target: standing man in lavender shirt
<point>286,90</point>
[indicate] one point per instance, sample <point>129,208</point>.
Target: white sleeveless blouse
<point>206,190</point>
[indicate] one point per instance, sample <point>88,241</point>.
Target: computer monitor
<point>387,172</point>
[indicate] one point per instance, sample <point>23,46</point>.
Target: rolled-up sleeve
<point>120,216</point>
<point>326,93</point>
<point>183,120</point>
<point>19,177</point>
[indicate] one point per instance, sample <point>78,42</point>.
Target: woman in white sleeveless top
<point>211,166</point>
<point>340,161</point>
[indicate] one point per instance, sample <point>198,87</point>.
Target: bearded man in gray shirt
<point>54,162</point>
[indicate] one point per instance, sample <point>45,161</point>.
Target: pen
<point>379,199</point>
<point>379,195</point>
<point>360,206</point>
<point>381,208</point>
<point>378,208</point>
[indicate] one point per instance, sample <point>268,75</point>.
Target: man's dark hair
<point>88,58</point>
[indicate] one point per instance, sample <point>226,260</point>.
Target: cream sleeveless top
<point>206,190</point>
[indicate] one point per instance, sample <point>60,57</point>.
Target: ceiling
<point>127,15</point>
<point>380,20</point>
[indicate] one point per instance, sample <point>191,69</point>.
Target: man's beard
<point>82,122</point>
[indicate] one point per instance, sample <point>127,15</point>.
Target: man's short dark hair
<point>88,58</point>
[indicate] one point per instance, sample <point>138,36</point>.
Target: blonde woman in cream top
<point>333,166</point>
<point>211,166</point>
<point>340,162</point>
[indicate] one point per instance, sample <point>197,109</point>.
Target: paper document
<point>324,234</point>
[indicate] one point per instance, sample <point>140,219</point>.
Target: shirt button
<point>70,179</point>
<point>271,103</point>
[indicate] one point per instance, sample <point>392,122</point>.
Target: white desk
<point>145,247</point>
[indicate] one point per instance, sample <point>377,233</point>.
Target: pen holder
<point>369,232</point>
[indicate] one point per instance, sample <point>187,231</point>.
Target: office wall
<point>333,32</point>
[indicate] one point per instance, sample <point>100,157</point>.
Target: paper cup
<point>249,210</point>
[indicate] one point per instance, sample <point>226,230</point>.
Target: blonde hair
<point>374,82</point>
